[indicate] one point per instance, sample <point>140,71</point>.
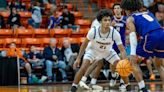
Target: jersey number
<point>147,17</point>
<point>102,47</point>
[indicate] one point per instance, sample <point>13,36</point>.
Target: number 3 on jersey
<point>102,47</point>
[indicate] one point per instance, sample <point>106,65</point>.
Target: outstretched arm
<point>132,35</point>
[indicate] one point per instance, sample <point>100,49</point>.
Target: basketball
<point>124,68</point>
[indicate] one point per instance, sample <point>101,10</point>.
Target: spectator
<point>148,3</point>
<point>3,5</point>
<point>157,7</point>
<point>53,8</point>
<point>53,57</point>
<point>2,22</point>
<point>14,52</point>
<point>68,19</point>
<point>36,19</point>
<point>20,6</point>
<point>14,19</point>
<point>53,22</point>
<point>159,16</point>
<point>70,52</point>
<point>36,59</point>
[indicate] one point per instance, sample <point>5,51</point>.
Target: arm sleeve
<point>117,37</point>
<point>91,34</point>
<point>133,43</point>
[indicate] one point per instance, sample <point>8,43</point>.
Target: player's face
<point>105,22</point>
<point>117,9</point>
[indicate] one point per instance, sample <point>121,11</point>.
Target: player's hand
<point>113,23</point>
<point>76,63</point>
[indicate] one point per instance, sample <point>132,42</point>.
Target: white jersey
<point>103,42</point>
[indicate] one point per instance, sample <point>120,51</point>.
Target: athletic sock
<point>74,85</point>
<point>93,81</point>
<point>114,74</point>
<point>141,84</point>
<point>84,79</point>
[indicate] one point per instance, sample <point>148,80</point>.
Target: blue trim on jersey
<point>111,57</point>
<point>100,34</point>
<point>94,32</point>
<point>112,34</point>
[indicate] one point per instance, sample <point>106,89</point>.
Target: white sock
<point>84,79</point>
<point>114,74</point>
<point>93,81</point>
<point>141,84</point>
<point>74,85</point>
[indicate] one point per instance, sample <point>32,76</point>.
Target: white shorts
<point>92,55</point>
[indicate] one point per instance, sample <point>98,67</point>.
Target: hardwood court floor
<point>153,86</point>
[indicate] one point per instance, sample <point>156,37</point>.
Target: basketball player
<point>119,23</point>
<point>98,46</point>
<point>152,38</point>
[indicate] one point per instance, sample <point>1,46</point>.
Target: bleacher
<point>27,36</point>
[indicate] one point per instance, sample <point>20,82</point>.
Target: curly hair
<point>131,5</point>
<point>104,13</point>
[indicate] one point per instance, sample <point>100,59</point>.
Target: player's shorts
<point>152,44</point>
<point>92,55</point>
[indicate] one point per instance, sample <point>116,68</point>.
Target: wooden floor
<point>153,86</point>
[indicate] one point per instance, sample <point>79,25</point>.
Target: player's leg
<point>125,80</point>
<point>96,73</point>
<point>86,63</point>
<point>159,52</point>
<point>82,83</point>
<point>160,67</point>
<point>137,73</point>
<point>149,66</point>
<point>96,66</point>
<point>88,58</point>
<point>114,75</point>
<point>144,48</point>
<point>88,72</point>
<point>113,59</point>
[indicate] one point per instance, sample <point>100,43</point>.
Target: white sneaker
<point>84,85</point>
<point>122,87</point>
<point>96,87</point>
<point>113,80</point>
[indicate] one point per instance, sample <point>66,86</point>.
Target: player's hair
<point>131,5</point>
<point>104,13</point>
<point>115,4</point>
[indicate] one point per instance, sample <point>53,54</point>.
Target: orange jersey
<point>14,52</point>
